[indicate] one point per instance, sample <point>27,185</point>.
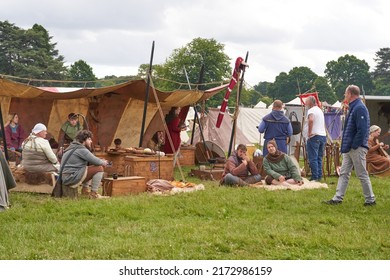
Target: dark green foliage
<point>348,70</point>
<point>287,86</point>
<point>29,53</point>
<point>81,71</point>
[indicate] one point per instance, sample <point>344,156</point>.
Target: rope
<point>28,81</point>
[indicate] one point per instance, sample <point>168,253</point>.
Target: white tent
<point>220,136</point>
<point>248,120</point>
<point>261,104</point>
<point>295,102</point>
<point>337,104</point>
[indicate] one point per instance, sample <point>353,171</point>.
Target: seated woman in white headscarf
<point>37,154</point>
<point>378,160</point>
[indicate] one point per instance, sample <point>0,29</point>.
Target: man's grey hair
<point>312,100</point>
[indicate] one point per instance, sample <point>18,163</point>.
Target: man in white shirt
<point>316,137</point>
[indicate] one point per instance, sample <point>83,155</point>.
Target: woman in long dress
<point>378,160</point>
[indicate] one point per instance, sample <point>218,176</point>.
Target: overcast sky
<point>115,36</point>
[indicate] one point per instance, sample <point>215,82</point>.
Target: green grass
<point>215,224</point>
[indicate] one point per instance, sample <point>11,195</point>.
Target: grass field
<point>218,223</point>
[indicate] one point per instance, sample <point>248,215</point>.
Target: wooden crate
<point>208,174</point>
<point>118,162</point>
<point>250,149</point>
<point>123,186</point>
<point>187,155</point>
<point>150,167</point>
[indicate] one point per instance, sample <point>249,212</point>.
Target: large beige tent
<point>111,112</point>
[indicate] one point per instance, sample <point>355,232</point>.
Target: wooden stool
<point>69,192</point>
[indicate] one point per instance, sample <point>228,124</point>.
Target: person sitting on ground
<point>279,167</point>
<point>36,152</point>
<point>157,141</point>
<point>377,159</point>
<point>14,133</point>
<point>240,170</point>
<point>82,166</point>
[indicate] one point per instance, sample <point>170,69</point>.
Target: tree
<point>10,35</point>
<point>199,51</point>
<point>171,76</point>
<point>29,53</point>
<point>262,87</point>
<point>348,70</point>
<point>81,71</point>
<point>382,68</point>
<point>325,92</point>
<point>287,86</point>
<point>381,73</point>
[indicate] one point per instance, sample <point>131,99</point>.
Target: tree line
<point>31,54</point>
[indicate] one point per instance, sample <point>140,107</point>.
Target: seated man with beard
<point>240,170</point>
<point>81,166</point>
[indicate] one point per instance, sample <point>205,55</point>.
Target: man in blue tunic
<point>277,126</point>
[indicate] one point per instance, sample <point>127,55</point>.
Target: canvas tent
<point>248,120</point>
<point>379,109</point>
<point>246,127</point>
<point>261,104</point>
<point>221,135</point>
<point>111,112</point>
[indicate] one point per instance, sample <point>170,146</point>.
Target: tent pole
<point>167,131</point>
<point>195,110</point>
<point>238,104</point>
<point>196,117</point>
<point>3,134</point>
<point>146,97</point>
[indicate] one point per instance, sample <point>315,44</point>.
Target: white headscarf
<point>374,128</point>
<point>38,128</point>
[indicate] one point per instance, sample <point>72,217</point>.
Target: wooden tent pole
<point>3,134</point>
<point>196,117</point>
<point>166,129</point>
<point>238,104</point>
<point>195,110</point>
<point>146,97</point>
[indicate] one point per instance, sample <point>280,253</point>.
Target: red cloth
<point>174,132</point>
<point>304,96</point>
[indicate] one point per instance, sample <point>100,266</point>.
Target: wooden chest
<point>123,186</point>
<point>208,174</point>
<point>187,155</point>
<point>118,162</point>
<point>250,149</point>
<point>150,167</point>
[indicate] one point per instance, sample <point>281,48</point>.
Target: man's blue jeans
<point>315,152</point>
